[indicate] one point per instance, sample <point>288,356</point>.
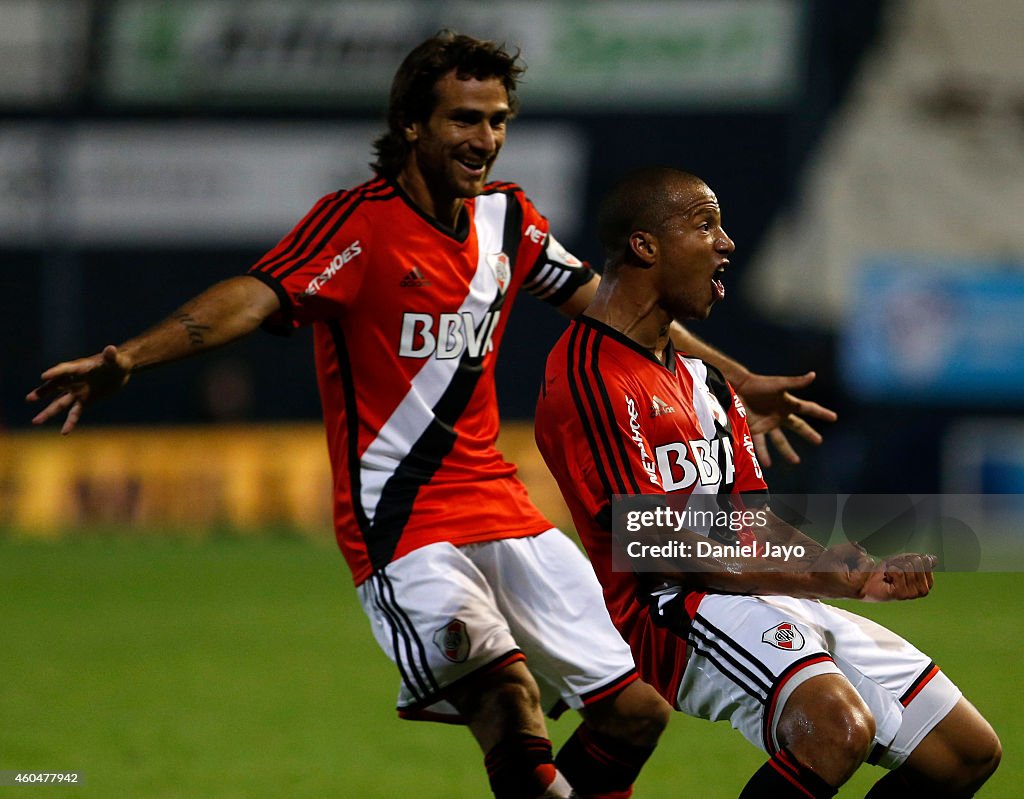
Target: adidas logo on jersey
<point>659,407</point>
<point>415,279</point>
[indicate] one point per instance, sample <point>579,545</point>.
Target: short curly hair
<point>414,97</point>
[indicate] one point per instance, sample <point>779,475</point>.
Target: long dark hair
<point>413,91</point>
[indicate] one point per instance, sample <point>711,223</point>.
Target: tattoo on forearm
<point>193,328</point>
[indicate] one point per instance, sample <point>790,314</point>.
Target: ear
<point>411,132</point>
<point>644,247</point>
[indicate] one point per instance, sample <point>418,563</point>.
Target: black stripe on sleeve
<point>577,277</point>
<point>327,230</point>
<point>302,242</point>
<point>298,239</point>
<point>279,323</point>
<point>265,272</point>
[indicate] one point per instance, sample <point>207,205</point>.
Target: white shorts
<point>443,612</point>
<point>748,654</point>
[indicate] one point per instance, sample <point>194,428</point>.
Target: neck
<point>633,314</point>
<point>445,209</point>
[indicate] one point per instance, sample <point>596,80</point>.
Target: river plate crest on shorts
<point>498,262</point>
<point>453,641</point>
<point>784,636</point>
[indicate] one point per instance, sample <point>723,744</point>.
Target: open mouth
<point>475,168</point>
<point>716,283</point>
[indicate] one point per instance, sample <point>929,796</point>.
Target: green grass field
<point>244,668</point>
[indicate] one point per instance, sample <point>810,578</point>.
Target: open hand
<point>770,407</point>
<point>72,385</point>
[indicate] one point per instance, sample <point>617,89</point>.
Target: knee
<point>855,729</point>
<point>507,693</point>
<point>643,715</point>
<point>986,761</point>
<point>844,727</point>
<point>828,727</point>
<point>637,714</point>
<point>958,755</point>
<point>512,688</point>
<point>977,757</point>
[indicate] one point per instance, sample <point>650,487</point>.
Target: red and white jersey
<point>612,419</point>
<point>408,316</point>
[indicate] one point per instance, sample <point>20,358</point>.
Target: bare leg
<point>637,714</point>
<point>827,727</point>
<point>502,709</point>
<point>605,754</point>
<point>500,703</point>
<point>953,760</point>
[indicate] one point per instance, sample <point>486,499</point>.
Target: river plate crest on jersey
<point>498,262</point>
<point>453,641</point>
<point>784,636</point>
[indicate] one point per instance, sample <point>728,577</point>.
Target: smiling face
<point>692,253</point>
<point>454,149</point>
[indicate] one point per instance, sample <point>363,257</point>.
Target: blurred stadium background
<point>175,620</point>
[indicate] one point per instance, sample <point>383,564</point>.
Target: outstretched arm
<point>768,400</point>
<point>221,314</point>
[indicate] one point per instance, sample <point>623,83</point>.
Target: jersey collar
<point>626,341</point>
<point>461,231</point>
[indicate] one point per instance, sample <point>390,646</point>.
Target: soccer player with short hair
<point>734,634</point>
<point>408,281</point>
